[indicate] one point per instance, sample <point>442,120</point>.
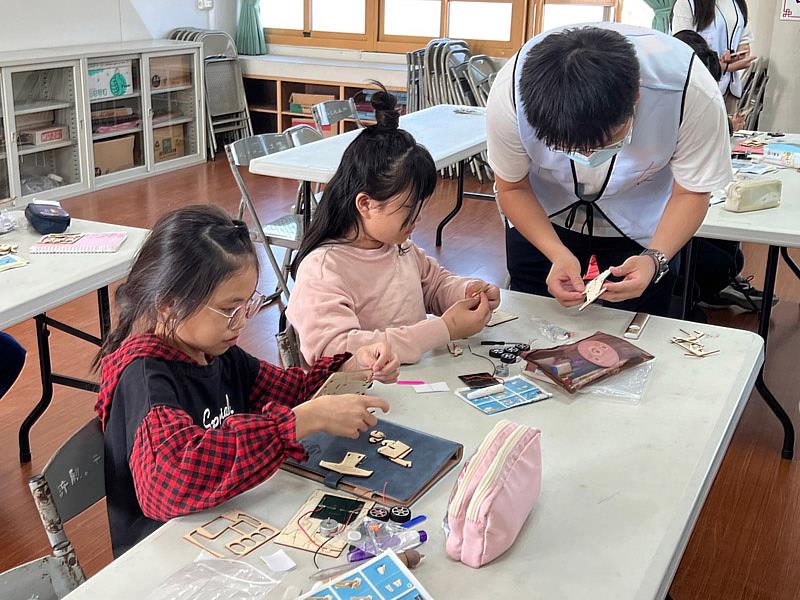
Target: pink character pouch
<point>494,495</point>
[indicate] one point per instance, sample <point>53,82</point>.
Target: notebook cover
<point>432,457</point>
<point>88,243</point>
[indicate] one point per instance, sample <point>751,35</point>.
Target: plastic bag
<point>215,579</point>
<point>588,361</point>
<point>552,332</point>
<point>627,386</point>
<point>379,536</point>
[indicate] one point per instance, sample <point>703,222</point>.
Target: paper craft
<point>499,317</point>
<point>11,261</point>
<point>236,532</point>
<point>427,388</point>
<point>517,391</point>
<point>382,578</point>
<point>302,531</point>
<point>595,289</point>
<point>79,243</point>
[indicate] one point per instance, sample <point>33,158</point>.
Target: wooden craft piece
<point>8,249</point>
<point>395,450</point>
<point>236,531</point>
<point>692,344</point>
<point>595,289</point>
<point>348,382</point>
<point>302,530</point>
<point>348,465</point>
<point>454,349</point>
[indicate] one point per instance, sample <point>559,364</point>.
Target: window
<point>493,27</point>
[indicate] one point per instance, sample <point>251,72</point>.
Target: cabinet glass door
<point>173,104</point>
<point>47,127</point>
<point>5,188</point>
<point>115,102</point>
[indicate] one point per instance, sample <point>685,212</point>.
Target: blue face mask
<point>601,155</point>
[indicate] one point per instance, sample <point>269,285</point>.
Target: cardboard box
<point>113,155</point>
<point>43,135</point>
<point>170,71</point>
<point>786,155</point>
<point>110,80</point>
<point>327,130</point>
<point>302,103</point>
<point>168,143</point>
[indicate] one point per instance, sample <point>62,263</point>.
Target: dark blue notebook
<point>431,457</point>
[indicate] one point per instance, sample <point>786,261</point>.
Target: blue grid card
<point>517,391</point>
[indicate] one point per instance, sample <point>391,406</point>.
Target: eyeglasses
<point>244,311</point>
<point>615,146</point>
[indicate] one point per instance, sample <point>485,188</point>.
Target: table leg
<point>459,204</point>
<point>790,263</point>
<point>104,307</point>
<point>763,330</point>
<point>306,205</point>
<point>45,369</point>
<point>689,258</point>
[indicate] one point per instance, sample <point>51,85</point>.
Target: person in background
<point>720,262</point>
<point>190,419</point>
<point>359,278</point>
<point>12,359</point>
<point>724,24</point>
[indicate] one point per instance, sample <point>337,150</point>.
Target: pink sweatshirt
<point>346,297</point>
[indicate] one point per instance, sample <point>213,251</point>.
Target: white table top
<point>778,226</point>
<point>622,484</point>
<point>50,280</point>
<point>448,136</point>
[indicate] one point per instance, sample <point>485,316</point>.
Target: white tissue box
<point>753,194</point>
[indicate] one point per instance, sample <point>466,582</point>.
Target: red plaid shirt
<point>179,467</point>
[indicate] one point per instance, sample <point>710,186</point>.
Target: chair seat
<point>286,231</point>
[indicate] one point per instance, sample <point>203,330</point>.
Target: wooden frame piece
<point>595,289</point>
<point>348,465</point>
<point>252,533</point>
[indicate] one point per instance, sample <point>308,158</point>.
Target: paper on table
<point>427,388</point>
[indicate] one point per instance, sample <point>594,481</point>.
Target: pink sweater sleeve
<point>440,287</point>
<point>322,311</point>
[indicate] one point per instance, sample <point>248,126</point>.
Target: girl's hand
<point>346,415</point>
<point>379,358</point>
<point>492,292</point>
<point>467,317</point>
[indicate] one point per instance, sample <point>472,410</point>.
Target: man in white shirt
<point>605,140</point>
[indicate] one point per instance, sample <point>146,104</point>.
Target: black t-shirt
<point>208,394</point>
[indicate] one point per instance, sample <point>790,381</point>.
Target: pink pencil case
<point>495,493</point>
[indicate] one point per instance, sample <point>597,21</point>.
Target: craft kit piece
<point>11,261</point>
<point>595,288</point>
<point>454,349</point>
<point>302,531</point>
<point>753,194</point>
<point>8,249</point>
<point>382,577</point>
<point>279,562</point>
<point>494,494</point>
<point>429,388</point>
<point>487,391</point>
<point>552,332</point>
<point>573,366</point>
<point>349,382</point>
<point>499,317</point>
<point>785,155</point>
<point>392,482</point>
<point>348,465</point>
<point>516,391</point>
<point>400,514</point>
<point>237,532</point>
<point>635,327</point>
<point>479,380</point>
<point>79,243</point>
<point>379,513</point>
<point>694,344</point>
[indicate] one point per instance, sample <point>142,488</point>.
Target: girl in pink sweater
<point>359,279</point>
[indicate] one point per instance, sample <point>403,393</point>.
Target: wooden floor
<point>746,544</point>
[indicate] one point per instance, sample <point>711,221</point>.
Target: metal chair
<point>284,232</point>
<point>288,344</point>
<point>72,481</point>
<point>299,135</point>
<point>328,114</point>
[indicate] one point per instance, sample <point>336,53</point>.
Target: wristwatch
<point>662,264</point>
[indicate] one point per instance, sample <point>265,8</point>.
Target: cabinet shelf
<point>265,108</point>
<point>96,137</point>
<point>41,106</point>
<point>179,121</point>
<point>114,98</point>
<point>25,150</point>
<point>176,88</point>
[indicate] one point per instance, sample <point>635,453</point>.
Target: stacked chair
<point>446,72</point>
<point>227,115</point>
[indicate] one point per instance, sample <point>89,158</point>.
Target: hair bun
<point>386,116</point>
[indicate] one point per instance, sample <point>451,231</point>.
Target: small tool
<point>487,391</point>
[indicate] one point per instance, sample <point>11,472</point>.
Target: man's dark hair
<point>578,85</point>
<point>703,51</point>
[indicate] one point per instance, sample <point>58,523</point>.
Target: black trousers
<point>529,268</point>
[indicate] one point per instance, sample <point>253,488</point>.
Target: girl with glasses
<point>191,419</point>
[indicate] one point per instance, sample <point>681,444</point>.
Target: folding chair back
<point>331,112</point>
